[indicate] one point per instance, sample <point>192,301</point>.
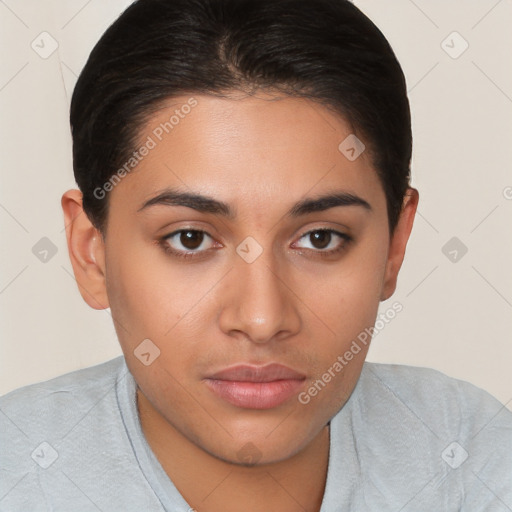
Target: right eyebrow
<point>201,203</point>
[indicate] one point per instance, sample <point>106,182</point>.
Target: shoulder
<point>445,404</point>
<point>431,424</point>
<point>51,406</point>
<point>78,381</point>
<point>47,426</point>
<point>429,389</point>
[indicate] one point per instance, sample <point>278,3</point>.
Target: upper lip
<point>249,373</point>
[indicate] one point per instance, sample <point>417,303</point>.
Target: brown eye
<point>191,239</point>
<point>187,241</point>
<point>320,239</point>
<point>324,241</point>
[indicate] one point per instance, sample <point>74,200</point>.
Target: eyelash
<point>197,254</point>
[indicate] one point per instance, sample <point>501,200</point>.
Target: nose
<point>259,301</point>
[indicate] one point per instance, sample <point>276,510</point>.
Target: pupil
<point>324,237</point>
<point>191,239</point>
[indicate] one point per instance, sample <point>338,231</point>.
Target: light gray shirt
<point>408,440</point>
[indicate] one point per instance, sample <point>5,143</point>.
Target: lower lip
<point>255,395</point>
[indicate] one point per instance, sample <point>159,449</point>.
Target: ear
<point>398,242</point>
<point>86,251</point>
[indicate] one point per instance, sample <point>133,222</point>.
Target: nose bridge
<point>259,303</point>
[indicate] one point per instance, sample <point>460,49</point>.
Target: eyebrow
<point>205,204</point>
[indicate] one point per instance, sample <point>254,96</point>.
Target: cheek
<point>175,304</point>
<point>347,295</point>
<point>153,298</point>
<point>346,299</point>
<point>142,295</point>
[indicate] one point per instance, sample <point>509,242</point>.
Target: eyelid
<point>312,230</point>
<point>344,236</point>
<point>172,234</point>
<point>163,241</point>
<point>325,228</point>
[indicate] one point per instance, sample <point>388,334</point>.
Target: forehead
<point>245,150</point>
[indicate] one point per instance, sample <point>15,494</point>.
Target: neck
<point>209,484</point>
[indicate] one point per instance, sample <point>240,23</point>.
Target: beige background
<point>457,315</point>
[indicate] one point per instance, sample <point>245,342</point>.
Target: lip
<point>256,387</point>
<point>251,373</point>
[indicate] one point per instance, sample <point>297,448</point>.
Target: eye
<point>325,241</point>
<point>189,243</point>
<point>186,242</point>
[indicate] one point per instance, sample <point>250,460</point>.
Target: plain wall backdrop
<point>456,281</point>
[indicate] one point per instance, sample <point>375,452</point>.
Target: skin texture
<point>260,154</point>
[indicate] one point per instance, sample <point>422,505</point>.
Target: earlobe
<point>86,250</point>
<point>398,242</point>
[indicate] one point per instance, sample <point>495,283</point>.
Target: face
<point>271,275</point>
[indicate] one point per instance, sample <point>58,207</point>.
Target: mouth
<point>256,387</point>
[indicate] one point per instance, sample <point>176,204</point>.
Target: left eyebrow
<point>326,202</point>
<point>205,204</point>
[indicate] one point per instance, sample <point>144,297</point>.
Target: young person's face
<point>294,304</point>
